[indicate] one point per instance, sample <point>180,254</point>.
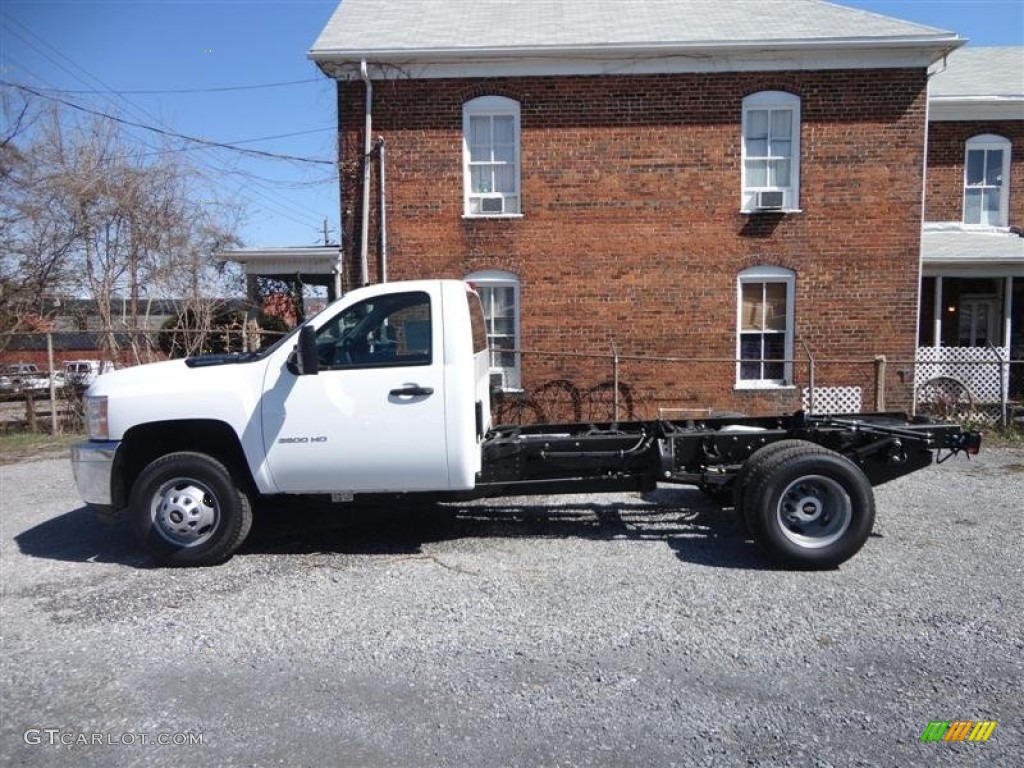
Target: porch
<point>970,354</point>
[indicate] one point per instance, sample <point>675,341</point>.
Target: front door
<point>372,419</point>
<point>976,325</point>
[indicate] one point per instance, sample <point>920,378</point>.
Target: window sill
<point>485,216</point>
<point>995,229</point>
<point>516,392</point>
<point>763,386</point>
<point>769,211</point>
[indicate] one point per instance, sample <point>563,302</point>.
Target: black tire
<point>757,459</point>
<point>597,404</point>
<point>188,510</point>
<point>560,401</point>
<point>514,409</point>
<point>809,507</point>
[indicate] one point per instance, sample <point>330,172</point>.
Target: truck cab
<point>396,401</point>
<point>386,390</point>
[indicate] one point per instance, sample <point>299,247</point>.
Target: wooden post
<point>53,384</point>
<point>880,369</point>
<point>30,412</point>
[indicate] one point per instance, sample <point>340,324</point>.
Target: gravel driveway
<point>572,630</point>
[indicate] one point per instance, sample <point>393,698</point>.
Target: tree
<point>33,248</point>
<point>88,213</point>
<point>221,331</point>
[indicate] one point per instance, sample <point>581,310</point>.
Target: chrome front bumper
<point>92,464</point>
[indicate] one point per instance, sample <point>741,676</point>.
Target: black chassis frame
<point>581,458</point>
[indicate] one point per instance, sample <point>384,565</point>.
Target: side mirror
<point>306,362</point>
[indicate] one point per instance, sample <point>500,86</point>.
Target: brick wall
<point>946,154</point>
<point>631,232</point>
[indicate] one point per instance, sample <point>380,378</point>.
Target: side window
<point>771,152</point>
<point>499,295</point>
<point>490,148</point>
<point>764,338</point>
<point>986,181</point>
<point>385,331</point>
<point>477,322</point>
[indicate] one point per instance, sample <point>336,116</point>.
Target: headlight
<point>96,426</point>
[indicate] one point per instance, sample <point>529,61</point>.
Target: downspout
<point>918,341</point>
<point>381,158</point>
<point>364,242</point>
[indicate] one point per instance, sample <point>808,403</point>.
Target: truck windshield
<point>286,338</point>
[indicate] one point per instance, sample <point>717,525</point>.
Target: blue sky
<point>109,47</point>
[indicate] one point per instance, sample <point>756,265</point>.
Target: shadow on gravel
<point>79,536</point>
<point>694,528</point>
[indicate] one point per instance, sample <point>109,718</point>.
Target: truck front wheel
<point>809,507</point>
<point>188,510</point>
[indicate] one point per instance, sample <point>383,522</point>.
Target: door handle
<point>412,390</point>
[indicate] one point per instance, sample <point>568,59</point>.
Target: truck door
<point>372,419</point>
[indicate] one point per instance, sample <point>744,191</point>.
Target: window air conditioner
<point>492,205</point>
<point>770,201</point>
<point>497,380</point>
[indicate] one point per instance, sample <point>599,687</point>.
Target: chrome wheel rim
<point>185,511</point>
<point>814,511</point>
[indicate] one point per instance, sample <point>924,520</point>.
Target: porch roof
<point>311,260</point>
<point>989,253</point>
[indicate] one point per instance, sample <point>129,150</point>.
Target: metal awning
<point>980,253</point>
<point>307,261</point>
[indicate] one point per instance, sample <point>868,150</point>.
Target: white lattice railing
<point>978,368</point>
<point>833,400</point>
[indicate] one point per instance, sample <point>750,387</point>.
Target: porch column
<point>937,313</point>
<point>1007,311</point>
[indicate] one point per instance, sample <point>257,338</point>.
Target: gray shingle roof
<point>972,72</point>
<point>940,246</point>
<point>408,26</point>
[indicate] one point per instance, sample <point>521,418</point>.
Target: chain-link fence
<point>573,387</point>
<point>43,376</point>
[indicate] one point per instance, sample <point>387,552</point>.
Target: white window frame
<point>988,142</point>
<point>493,278</point>
<point>772,100</point>
<point>491,106</point>
<point>766,274</point>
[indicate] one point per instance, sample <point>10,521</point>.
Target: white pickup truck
<point>387,392</point>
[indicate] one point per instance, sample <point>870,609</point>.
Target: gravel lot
<point>573,630</point>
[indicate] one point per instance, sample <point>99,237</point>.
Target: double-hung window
<point>490,140</point>
<point>771,152</point>
<point>499,294</point>
<point>986,177</point>
<point>764,339</point>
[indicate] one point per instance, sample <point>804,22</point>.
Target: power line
<point>162,132</point>
<point>252,192</point>
<point>245,141</point>
<point>222,89</point>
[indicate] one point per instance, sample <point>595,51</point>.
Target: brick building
<point>972,288</point>
<point>680,179</point>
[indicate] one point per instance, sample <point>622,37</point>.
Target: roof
<point>963,250</point>
<point>991,79</point>
<point>419,30</point>
<point>996,71</point>
<point>312,260</point>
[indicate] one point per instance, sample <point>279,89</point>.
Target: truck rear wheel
<point>189,510</point>
<point>809,507</point>
<point>754,464</point>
